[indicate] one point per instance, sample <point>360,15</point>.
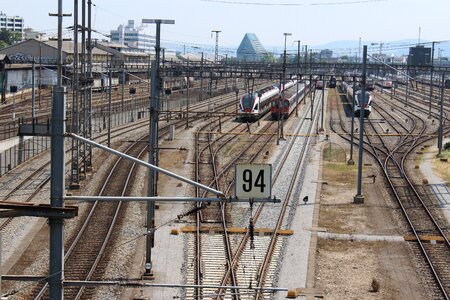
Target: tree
<point>268,57</point>
<point>8,37</point>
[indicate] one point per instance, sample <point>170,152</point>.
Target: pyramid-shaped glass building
<point>250,48</point>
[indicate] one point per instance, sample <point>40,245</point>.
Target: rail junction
<point>230,250</point>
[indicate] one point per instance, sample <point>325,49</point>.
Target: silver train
<point>366,106</point>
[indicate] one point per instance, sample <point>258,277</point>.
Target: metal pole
<point>441,116</point>
<point>33,98</point>
<point>123,85</point>
<point>359,198</point>
<point>351,161</point>
<point>306,54</point>
<point>311,93</point>
<point>298,79</point>
<point>109,104</point>
<point>286,34</point>
<point>237,101</point>
<point>201,79</point>
<point>147,165</point>
<point>14,107</point>
<point>278,111</point>
<point>431,79</point>
<point>187,96</point>
<point>153,143</point>
<point>359,51</point>
<point>56,289</point>
<point>89,88</point>
<point>323,103</point>
<point>57,193</point>
<point>74,178</point>
<point>297,96</point>
<point>216,54</point>
<point>60,43</point>
<point>1,271</point>
<point>407,86</point>
<point>40,71</point>
<point>310,74</point>
<point>226,77</point>
<point>83,104</point>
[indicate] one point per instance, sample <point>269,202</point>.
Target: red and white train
<point>281,108</point>
<point>254,105</point>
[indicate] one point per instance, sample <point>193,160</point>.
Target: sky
<point>313,22</point>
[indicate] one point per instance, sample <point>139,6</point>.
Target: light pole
<point>351,161</point>
<point>298,66</point>
<point>431,78</point>
<point>359,198</point>
<point>187,95</point>
<point>153,143</point>
<point>441,116</point>
<point>216,53</point>
<point>280,114</point>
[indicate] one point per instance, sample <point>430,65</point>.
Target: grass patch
<point>334,152</point>
<point>339,172</point>
<point>441,168</point>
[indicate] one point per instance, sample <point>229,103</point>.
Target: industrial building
<point>419,56</point>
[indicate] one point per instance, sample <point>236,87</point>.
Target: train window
<point>366,98</point>
<point>247,101</point>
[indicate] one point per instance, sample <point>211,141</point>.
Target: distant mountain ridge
<point>398,47</point>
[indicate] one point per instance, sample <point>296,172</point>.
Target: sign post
<point>253,181</point>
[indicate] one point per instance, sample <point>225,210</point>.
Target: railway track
<point>249,252</point>
<point>391,156</point>
<point>163,131</point>
<point>85,251</point>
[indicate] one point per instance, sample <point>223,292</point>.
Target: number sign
<point>253,181</point>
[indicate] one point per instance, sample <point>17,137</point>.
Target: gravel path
<point>427,169</point>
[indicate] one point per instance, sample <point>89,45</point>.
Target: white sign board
<point>253,181</point>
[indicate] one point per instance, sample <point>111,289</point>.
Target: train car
<point>363,105</point>
<point>332,83</point>
<point>370,84</point>
<point>280,108</point>
<point>384,83</point>
<point>319,84</point>
<point>283,107</point>
<point>360,104</point>
<point>178,84</point>
<point>253,105</point>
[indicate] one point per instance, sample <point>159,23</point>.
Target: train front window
<point>247,101</point>
<point>366,98</point>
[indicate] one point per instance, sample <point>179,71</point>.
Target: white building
<point>11,23</point>
<point>133,37</point>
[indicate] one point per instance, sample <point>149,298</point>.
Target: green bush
<point>447,146</point>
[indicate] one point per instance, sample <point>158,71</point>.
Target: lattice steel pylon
<point>216,53</point>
